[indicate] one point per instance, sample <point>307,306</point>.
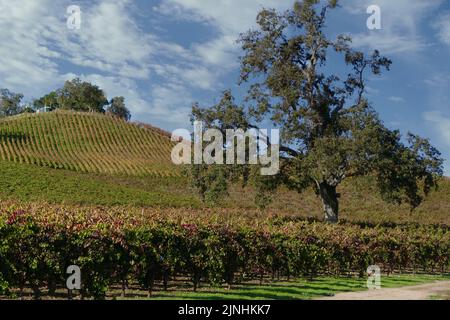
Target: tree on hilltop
<point>48,101</point>
<point>75,95</point>
<point>10,103</point>
<point>118,109</point>
<point>329,131</point>
<point>82,96</point>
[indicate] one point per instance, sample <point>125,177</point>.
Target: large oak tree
<point>329,131</point>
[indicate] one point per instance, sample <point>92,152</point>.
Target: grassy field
<point>284,290</point>
<point>294,290</point>
<point>360,202</point>
<point>27,183</point>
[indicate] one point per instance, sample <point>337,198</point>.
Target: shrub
<point>36,248</point>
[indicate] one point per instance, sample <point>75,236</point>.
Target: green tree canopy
<point>10,103</point>
<point>75,95</point>
<point>329,131</point>
<point>82,96</point>
<point>118,109</point>
<point>49,100</point>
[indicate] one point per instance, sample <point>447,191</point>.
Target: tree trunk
<point>330,202</point>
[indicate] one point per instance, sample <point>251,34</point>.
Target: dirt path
<point>420,292</point>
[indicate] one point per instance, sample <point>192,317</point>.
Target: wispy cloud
<point>229,18</point>
<point>396,99</point>
<point>110,41</point>
<point>441,123</point>
<point>111,50</point>
<point>442,26</point>
<point>26,55</point>
<point>159,71</point>
<point>401,21</point>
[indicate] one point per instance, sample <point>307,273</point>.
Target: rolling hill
<point>86,142</point>
<point>91,159</point>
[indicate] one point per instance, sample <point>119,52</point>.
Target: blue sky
<point>162,55</point>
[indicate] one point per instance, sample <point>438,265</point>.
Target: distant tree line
<point>74,95</point>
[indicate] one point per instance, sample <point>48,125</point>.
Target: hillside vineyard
<point>85,142</point>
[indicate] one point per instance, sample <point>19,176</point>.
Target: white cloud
<point>34,34</point>
<point>228,17</point>
<point>37,50</point>
<point>171,104</point>
<point>26,57</point>
<point>441,127</point>
<point>438,87</point>
<point>401,21</point>
<point>397,99</point>
<point>438,80</point>
<point>116,86</point>
<point>441,123</point>
<point>372,91</point>
<point>179,12</point>
<point>219,52</point>
<point>389,43</point>
<point>109,41</point>
<point>168,104</point>
<point>36,43</point>
<point>442,25</point>
<point>197,76</point>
